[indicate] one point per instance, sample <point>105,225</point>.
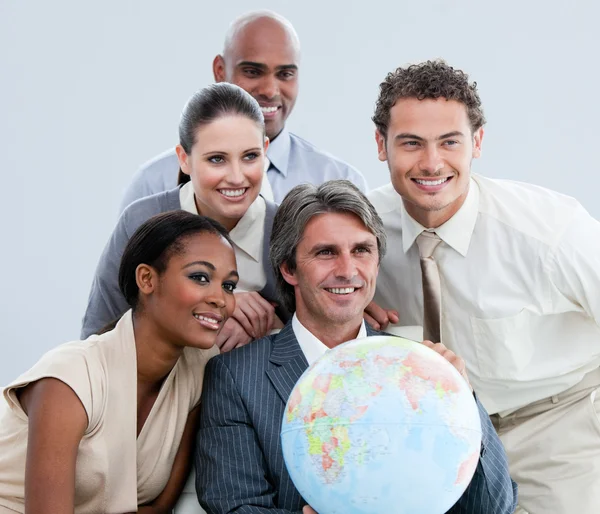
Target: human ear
<point>183,159</point>
<point>288,276</point>
<point>145,278</point>
<point>477,139</point>
<point>381,151</point>
<point>219,68</point>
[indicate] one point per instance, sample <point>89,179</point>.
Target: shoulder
<point>385,199</point>
<point>535,211</point>
<point>141,210</point>
<point>302,145</point>
<point>246,360</point>
<point>165,161</point>
<point>190,372</point>
<point>78,364</point>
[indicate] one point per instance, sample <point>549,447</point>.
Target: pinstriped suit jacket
<point>239,461</point>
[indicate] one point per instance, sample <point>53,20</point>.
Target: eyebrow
<point>407,135</point>
<point>207,264</point>
<point>323,246</point>
<point>211,266</point>
<point>262,66</point>
<point>223,152</point>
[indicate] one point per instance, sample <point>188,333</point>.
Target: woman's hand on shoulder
<point>232,335</point>
<point>254,313</point>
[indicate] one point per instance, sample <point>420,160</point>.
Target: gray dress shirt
<point>293,161</point>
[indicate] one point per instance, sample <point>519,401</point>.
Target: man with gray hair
<point>326,246</point>
<point>261,54</point>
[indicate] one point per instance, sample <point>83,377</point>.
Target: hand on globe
<point>308,510</point>
<point>451,357</point>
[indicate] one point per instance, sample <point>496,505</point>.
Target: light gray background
<point>91,90</point>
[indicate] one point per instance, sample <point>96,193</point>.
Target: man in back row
<point>261,54</point>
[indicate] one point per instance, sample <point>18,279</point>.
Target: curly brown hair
<point>430,79</point>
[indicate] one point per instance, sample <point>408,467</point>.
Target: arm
<point>231,474</point>
<point>57,422</point>
<point>491,490</point>
<point>106,303</point>
<point>574,264</point>
<point>166,500</point>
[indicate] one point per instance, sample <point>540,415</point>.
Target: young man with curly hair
<point>504,273</point>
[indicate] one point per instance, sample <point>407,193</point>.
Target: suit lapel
<point>289,360</point>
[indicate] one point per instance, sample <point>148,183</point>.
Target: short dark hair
<point>430,79</point>
<point>299,206</point>
<point>210,103</point>
<point>156,241</point>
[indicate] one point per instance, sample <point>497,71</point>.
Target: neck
<point>331,334</point>
<point>203,210</point>
<point>275,136</point>
<point>435,218</point>
<point>156,356</point>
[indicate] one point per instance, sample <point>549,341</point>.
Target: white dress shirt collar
<point>456,232</point>
<point>310,345</point>
<point>279,151</point>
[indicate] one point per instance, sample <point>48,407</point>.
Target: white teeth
<point>268,110</point>
<point>341,290</point>
<point>232,192</point>
<point>205,318</point>
<point>431,182</point>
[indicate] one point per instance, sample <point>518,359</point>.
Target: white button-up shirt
<point>310,345</point>
<point>247,236</point>
<point>520,275</point>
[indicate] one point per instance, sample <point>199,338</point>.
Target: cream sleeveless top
<point>115,471</point>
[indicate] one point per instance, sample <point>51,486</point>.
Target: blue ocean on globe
<point>381,425</point>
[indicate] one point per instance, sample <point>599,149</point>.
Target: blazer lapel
<point>289,360</point>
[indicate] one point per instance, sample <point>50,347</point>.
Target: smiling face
<point>192,298</point>
<point>262,58</point>
<point>429,148</point>
<point>337,263</point>
<point>226,167</point>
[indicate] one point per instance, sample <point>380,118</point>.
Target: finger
<point>256,318</point>
<point>371,321</point>
<point>242,319</point>
<point>238,338</point>
<point>228,345</point>
<point>223,336</point>
<point>268,311</point>
<point>378,314</point>
<point>393,316</point>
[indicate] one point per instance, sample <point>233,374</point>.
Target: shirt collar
<point>248,234</point>
<point>456,232</point>
<point>279,151</point>
<point>244,235</point>
<point>186,198</point>
<point>310,345</point>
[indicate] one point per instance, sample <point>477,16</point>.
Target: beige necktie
<point>432,290</point>
<point>266,191</point>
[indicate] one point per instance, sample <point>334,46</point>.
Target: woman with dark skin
<point>108,424</point>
